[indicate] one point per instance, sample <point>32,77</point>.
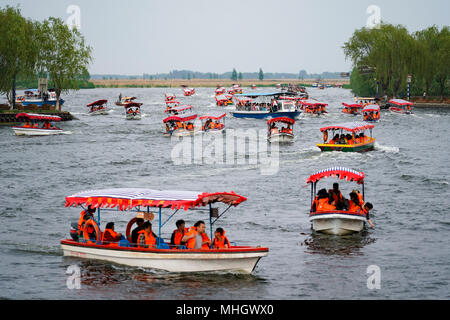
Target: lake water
<point>407,180</point>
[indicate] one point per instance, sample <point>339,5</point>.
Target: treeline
<point>387,56</point>
<point>47,49</point>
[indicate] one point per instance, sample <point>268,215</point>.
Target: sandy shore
<point>205,82</point>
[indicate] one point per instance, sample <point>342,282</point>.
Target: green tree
<point>261,75</point>
<point>234,75</point>
<point>240,76</point>
<point>18,49</point>
<point>63,55</point>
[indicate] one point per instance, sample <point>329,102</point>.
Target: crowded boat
<point>401,106</point>
<point>347,137</point>
<point>264,105</point>
<point>313,107</point>
<point>133,111</point>
<point>213,123</point>
<point>223,100</point>
<point>188,92</point>
<point>352,108</point>
<point>98,107</point>
<point>333,213</point>
<point>371,113</point>
<point>190,249</point>
<point>36,125</point>
<point>280,129</point>
<point>182,125</point>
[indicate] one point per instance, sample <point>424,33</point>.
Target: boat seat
<point>124,243</point>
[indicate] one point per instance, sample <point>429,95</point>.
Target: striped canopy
<point>35,116</point>
<point>337,172</point>
<point>352,105</point>
<point>97,103</point>
<point>400,102</point>
<point>214,117</point>
<point>349,126</point>
<point>281,119</point>
<point>183,118</point>
<point>371,107</point>
<point>128,198</point>
<point>312,103</point>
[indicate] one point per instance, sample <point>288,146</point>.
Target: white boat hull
<point>36,132</point>
<point>185,133</point>
<point>99,112</point>
<point>179,261</point>
<point>280,137</point>
<point>337,224</point>
<point>136,116</point>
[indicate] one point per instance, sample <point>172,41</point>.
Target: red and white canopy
<point>371,107</point>
<point>349,126</point>
<point>128,198</point>
<point>352,105</point>
<point>337,172</point>
<point>281,119</point>
<point>179,108</point>
<point>97,103</point>
<point>133,104</point>
<point>400,102</point>
<point>38,117</point>
<point>213,117</point>
<point>313,103</point>
<point>223,97</point>
<point>182,118</point>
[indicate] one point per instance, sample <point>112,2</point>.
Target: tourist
<point>322,202</point>
<point>196,238</point>
<point>178,234</point>
<point>220,241</point>
<point>135,232</point>
<point>109,235</point>
<point>146,237</point>
<point>336,196</point>
<point>367,207</point>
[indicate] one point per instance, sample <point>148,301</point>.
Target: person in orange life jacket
<point>335,139</point>
<point>84,216</point>
<point>135,232</point>
<point>35,125</point>
<point>196,238</point>
<point>109,235</point>
<point>178,234</point>
<point>355,204</point>
<point>146,237</point>
<point>220,241</point>
<point>322,202</point>
<point>336,196</point>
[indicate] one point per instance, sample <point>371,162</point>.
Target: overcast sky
<point>156,36</point>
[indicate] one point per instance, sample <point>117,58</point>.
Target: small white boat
<point>133,111</point>
<point>125,100</point>
<point>332,221</point>
<point>98,108</point>
<point>87,245</point>
<point>276,132</point>
<point>37,125</point>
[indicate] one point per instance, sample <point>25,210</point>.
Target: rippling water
<point>407,180</point>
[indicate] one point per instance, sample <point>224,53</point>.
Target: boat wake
<point>387,149</point>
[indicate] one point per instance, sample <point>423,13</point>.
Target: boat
<point>336,222</point>
<point>371,113</point>
<point>220,90</point>
<point>315,85</point>
<point>98,107</point>
<point>213,123</point>
<point>224,100</point>
<point>253,86</point>
<point>181,125</point>
<point>161,256</point>
<point>347,137</point>
<point>123,101</point>
<point>169,97</point>
<point>235,89</point>
<point>133,111</point>
<point>352,108</point>
<point>313,107</point>
<point>188,92</point>
<point>36,97</point>
<point>401,106</point>
<point>179,110</point>
<point>266,104</point>
<point>277,132</point>
<point>32,125</point>
<point>365,101</point>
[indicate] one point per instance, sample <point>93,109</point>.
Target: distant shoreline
<point>195,83</point>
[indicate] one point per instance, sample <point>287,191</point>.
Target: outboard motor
<point>74,231</point>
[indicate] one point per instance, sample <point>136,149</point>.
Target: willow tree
<point>387,50</point>
<point>18,49</point>
<point>64,56</point>
<point>443,58</point>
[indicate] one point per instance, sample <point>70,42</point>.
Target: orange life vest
<point>323,205</point>
<point>111,235</point>
<point>150,240</point>
<point>190,244</point>
<point>220,243</point>
<point>178,236</point>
